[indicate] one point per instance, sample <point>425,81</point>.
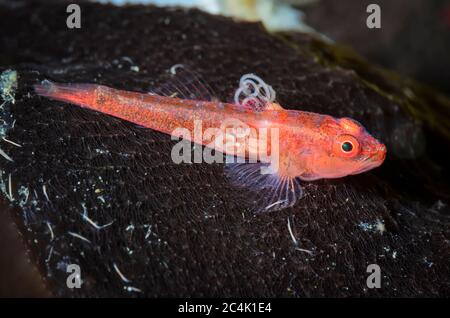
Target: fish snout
<point>377,154</point>
<point>374,157</point>
<point>381,153</point>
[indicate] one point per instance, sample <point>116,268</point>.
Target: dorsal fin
<point>181,82</point>
<point>253,93</point>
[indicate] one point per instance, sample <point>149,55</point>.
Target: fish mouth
<point>367,167</point>
<point>373,161</point>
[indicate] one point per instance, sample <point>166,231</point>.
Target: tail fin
<point>79,94</point>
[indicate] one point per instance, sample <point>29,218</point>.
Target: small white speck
<point>11,142</point>
<point>79,236</point>
<point>303,250</point>
<point>380,227</point>
<point>10,188</point>
<point>91,222</point>
<point>44,190</point>
<point>290,232</point>
<point>122,277</point>
<point>132,289</point>
<point>52,236</point>
<point>49,255</point>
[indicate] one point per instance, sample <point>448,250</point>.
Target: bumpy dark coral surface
<point>183,230</point>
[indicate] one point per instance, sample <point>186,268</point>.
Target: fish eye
<point>347,146</point>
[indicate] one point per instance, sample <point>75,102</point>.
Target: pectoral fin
<point>267,191</point>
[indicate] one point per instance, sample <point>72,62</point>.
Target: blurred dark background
<point>414,38</point>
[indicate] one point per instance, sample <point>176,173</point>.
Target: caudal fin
<point>79,94</point>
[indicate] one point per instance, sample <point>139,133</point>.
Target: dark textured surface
<point>182,230</point>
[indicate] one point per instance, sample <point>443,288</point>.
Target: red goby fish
<point>308,146</point>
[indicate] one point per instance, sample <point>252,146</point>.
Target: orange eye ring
<point>346,146</point>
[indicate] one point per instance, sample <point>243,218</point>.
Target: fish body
<point>309,146</point>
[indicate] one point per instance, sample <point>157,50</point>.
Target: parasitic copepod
<point>274,148</point>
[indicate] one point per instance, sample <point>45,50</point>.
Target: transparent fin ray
<point>183,83</point>
<point>266,192</point>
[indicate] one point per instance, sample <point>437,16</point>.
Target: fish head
<point>347,149</point>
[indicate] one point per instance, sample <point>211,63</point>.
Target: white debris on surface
<point>8,87</point>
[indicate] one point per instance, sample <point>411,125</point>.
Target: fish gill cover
<point>93,190</point>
